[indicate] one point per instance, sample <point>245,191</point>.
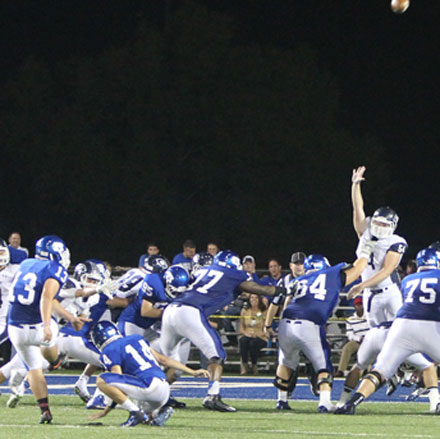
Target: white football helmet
<point>383,222</point>
<point>4,254</point>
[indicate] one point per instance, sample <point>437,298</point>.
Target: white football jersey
<point>130,283</point>
<point>6,278</point>
<point>393,243</point>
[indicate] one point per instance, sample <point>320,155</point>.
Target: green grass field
<point>255,419</point>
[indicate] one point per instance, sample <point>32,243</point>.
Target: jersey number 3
<point>29,280</point>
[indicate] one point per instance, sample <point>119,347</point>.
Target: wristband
<point>279,291</point>
<point>113,405</point>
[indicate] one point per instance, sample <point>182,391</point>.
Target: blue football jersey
<point>421,296</point>
<point>25,292</point>
<point>97,306</point>
<point>315,295</point>
<point>153,290</point>
<point>134,356</point>
<point>213,288</point>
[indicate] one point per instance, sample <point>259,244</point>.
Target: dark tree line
<point>181,131</point>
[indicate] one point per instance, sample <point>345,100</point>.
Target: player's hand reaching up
<point>358,175</point>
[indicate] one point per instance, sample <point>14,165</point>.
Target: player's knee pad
<point>281,383</point>
<point>324,380</point>
<point>375,378</point>
<point>292,380</point>
<point>217,360</point>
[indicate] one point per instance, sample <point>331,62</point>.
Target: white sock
<point>324,398</point>
<point>84,378</point>
<point>345,396</point>
<point>282,395</point>
<point>214,388</point>
<point>433,398</point>
<point>130,406</point>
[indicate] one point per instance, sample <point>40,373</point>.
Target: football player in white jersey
<point>7,273</point>
<point>415,330</point>
<point>380,281</point>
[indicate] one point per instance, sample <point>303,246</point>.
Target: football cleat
<point>214,402</point>
<point>162,417</point>
<point>326,408</point>
<point>283,405</point>
<point>13,400</point>
<point>96,403</point>
<point>83,394</point>
<point>346,409</point>
<point>59,363</point>
<point>172,402</point>
<point>135,418</point>
<point>46,417</point>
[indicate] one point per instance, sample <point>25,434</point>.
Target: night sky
<point>383,72</point>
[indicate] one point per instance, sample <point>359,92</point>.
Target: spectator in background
<point>250,266</point>
<point>252,336</point>
<point>411,267</point>
<point>152,249</point>
<point>212,248</point>
<point>18,253</point>
<point>185,258</point>
<point>242,301</point>
<point>275,277</point>
<point>356,328</point>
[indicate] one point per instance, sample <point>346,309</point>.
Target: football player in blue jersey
<point>134,373</point>
<point>214,287</point>
<point>156,290</point>
<point>70,305</point>
<point>143,315</point>
<point>30,323</point>
<point>308,306</point>
<point>415,330</point>
<point>130,283</point>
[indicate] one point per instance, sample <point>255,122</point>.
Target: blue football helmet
<point>316,262</point>
<point>428,258</point>
<point>88,274</point>
<point>202,259</point>
<point>53,248</point>
<point>383,222</point>
<point>176,280</point>
<point>435,245</point>
<point>229,259</point>
<point>104,332</point>
<point>5,255</point>
<point>156,264</point>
